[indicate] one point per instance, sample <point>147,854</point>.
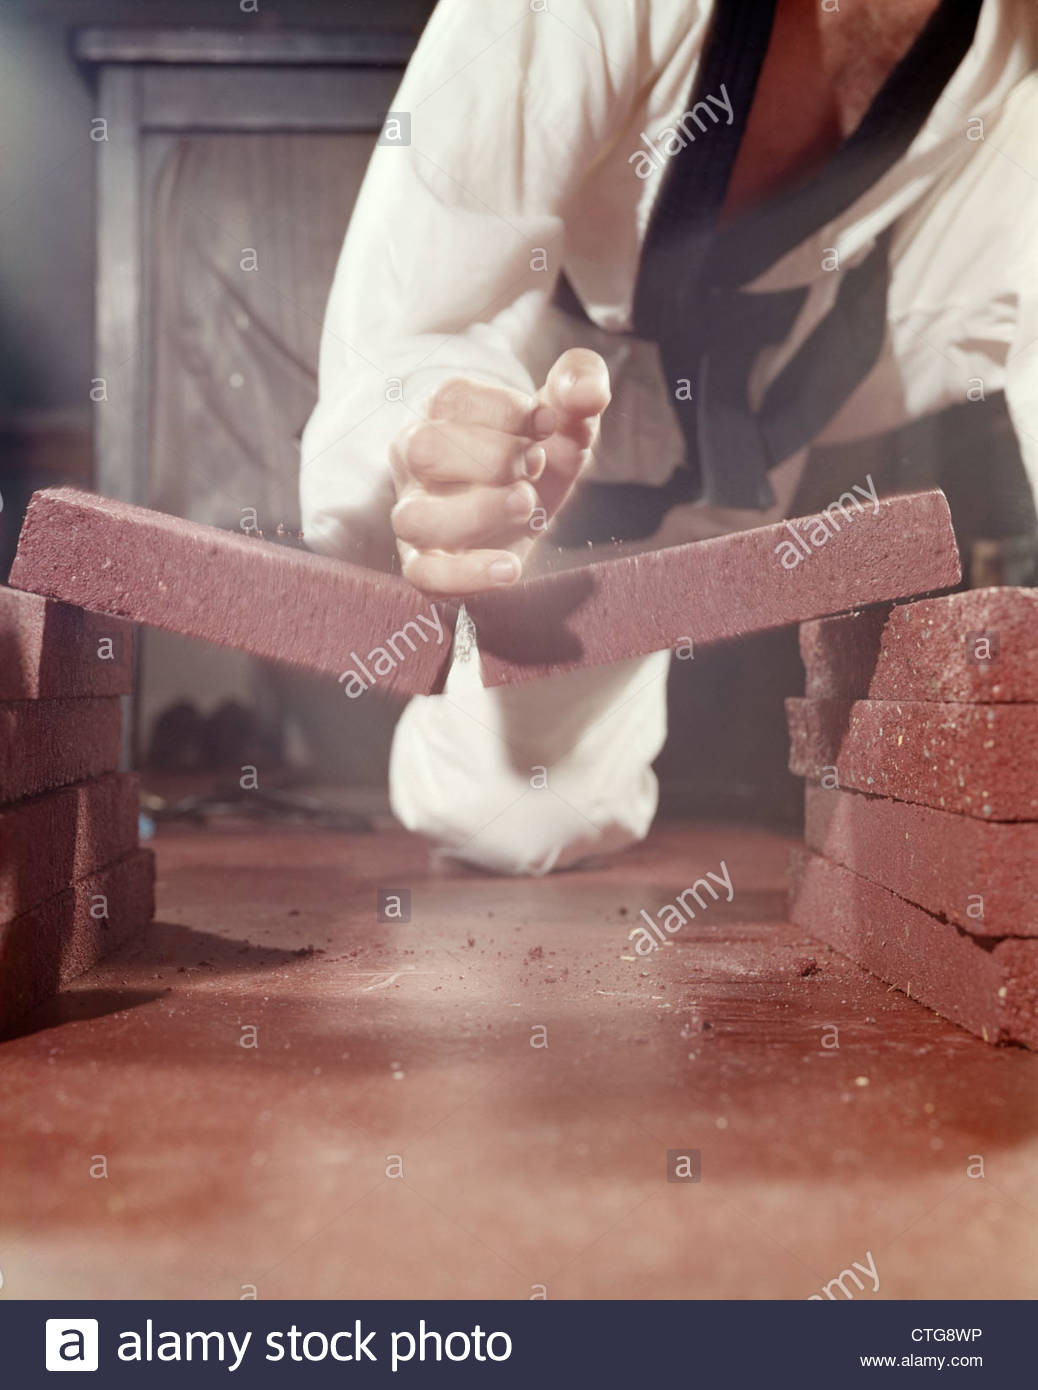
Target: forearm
<point>453,250</point>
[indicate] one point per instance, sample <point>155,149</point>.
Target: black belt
<point>691,295</point>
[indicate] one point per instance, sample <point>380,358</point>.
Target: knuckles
<point>422,448</point>
<point>410,566</point>
<point>452,400</point>
<point>406,520</point>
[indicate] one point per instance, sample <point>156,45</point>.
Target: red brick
<point>978,760</point>
<point>50,841</point>
<point>712,589</point>
<point>223,586</point>
<point>43,949</point>
<point>53,651</point>
<point>934,858</point>
<point>928,650</point>
<point>991,991</point>
<point>316,613</point>
<point>51,743</point>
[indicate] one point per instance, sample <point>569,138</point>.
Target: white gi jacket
<point>524,126</point>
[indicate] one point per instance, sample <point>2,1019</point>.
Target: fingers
<point>438,452</point>
<point>463,477</point>
<point>464,473</point>
<point>475,516</point>
<point>470,572</point>
<point>494,407</point>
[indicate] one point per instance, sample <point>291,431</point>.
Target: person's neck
<point>822,70</point>
<point>859,45</point>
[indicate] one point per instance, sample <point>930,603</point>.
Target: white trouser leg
<point>524,779</point>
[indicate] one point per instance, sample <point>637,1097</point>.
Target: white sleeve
<point>457,237</point>
<point>1021,382</point>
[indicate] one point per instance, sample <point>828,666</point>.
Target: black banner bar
<point>534,1344</point>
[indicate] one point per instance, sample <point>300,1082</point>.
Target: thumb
<point>577,390</point>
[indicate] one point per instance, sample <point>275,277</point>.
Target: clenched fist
<point>483,465</point>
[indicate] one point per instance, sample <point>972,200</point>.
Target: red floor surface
<point>148,1153</point>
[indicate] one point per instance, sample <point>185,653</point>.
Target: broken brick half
<point>285,605</point>
<point>712,589</point>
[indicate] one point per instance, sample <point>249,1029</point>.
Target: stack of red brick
<point>919,737</point>
<point>73,881</point>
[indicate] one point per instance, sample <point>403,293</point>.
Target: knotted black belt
<point>692,296</point>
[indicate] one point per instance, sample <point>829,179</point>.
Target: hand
<point>484,464</point>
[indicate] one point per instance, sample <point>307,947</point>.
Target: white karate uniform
<point>525,127</point>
